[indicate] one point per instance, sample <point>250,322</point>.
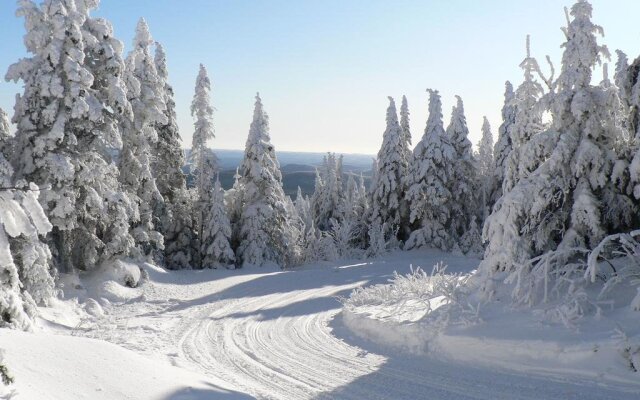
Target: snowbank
<point>398,315</point>
<point>47,366</point>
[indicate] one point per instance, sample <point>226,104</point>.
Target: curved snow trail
<point>259,336</point>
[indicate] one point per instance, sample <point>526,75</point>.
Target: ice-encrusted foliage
<point>485,168</point>
<point>388,190</point>
<point>328,196</point>
<point>67,125</point>
<point>175,222</point>
<point>551,218</point>
<point>463,184</point>
<point>503,146</point>
<point>216,247</point>
<point>25,270</point>
<point>263,228</point>
<point>145,90</point>
<point>428,184</point>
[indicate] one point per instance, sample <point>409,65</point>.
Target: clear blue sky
<point>325,68</point>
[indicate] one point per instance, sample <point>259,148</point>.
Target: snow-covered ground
<point>259,333</point>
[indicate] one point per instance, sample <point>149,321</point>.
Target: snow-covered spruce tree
<point>67,125</point>
<point>5,135</point>
<point>303,209</point>
<point>503,145</point>
<point>25,267</point>
<point>264,230</point>
<point>176,222</point>
<point>485,168</point>
<point>541,230</point>
<point>524,157</point>
<point>328,194</point>
<point>202,111</point>
<point>216,248</point>
<point>145,91</point>
<point>627,79</point>
<point>464,180</point>
<point>406,131</point>
<point>389,188</point>
<point>471,240</point>
<point>428,184</point>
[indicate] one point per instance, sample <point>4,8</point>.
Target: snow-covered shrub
<point>421,292</point>
<point>616,262</point>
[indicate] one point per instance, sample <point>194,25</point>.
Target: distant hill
<point>298,168</point>
<point>230,159</point>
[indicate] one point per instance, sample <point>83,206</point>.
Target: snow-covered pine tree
<point>216,248</point>
<point>389,189</point>
<point>303,209</point>
<point>485,168</point>
<point>428,184</point>
<point>145,90</point>
<point>328,194</point>
<point>406,131</point>
<point>203,164</point>
<point>67,125</point>
<point>627,78</point>
<point>264,230</point>
<point>464,180</point>
<point>528,123</point>
<point>176,222</point>
<point>5,135</point>
<point>25,268</point>
<point>503,144</point>
<point>542,228</point>
<point>471,240</point>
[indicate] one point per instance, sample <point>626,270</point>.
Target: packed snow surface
<point>254,333</point>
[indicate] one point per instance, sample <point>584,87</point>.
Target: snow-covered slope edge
<point>47,366</point>
<point>400,316</point>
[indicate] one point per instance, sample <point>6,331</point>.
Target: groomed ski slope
<point>271,334</point>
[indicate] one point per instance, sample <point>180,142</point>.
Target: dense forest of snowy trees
<point>93,173</point>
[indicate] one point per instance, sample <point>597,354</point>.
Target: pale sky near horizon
<point>324,69</point>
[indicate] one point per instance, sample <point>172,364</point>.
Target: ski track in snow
<point>250,332</point>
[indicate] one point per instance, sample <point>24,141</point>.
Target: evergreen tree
<point>303,209</point>
<point>503,145</point>
<point>328,194</point>
<point>463,182</point>
<point>406,131</point>
<point>525,157</point>
<point>388,191</point>
<point>215,243</point>
<point>555,215</point>
<point>264,228</point>
<point>485,168</point>
<point>428,184</point>
<point>201,157</point>
<point>146,93</point>
<point>25,268</point>
<point>5,135</point>
<point>67,125</point>
<point>175,210</point>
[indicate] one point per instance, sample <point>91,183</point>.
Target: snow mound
<point>47,366</point>
<point>439,315</point>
